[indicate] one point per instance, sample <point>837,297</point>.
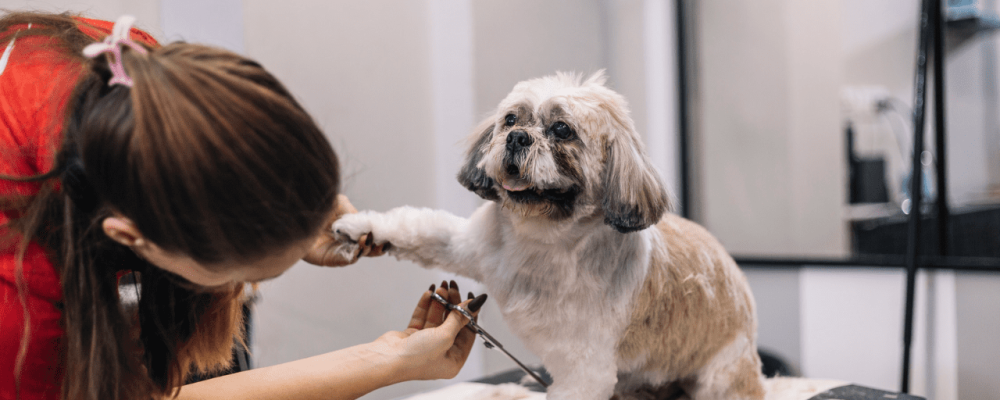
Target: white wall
<point>852,324</point>
<point>214,22</point>
<point>769,135</point>
<point>779,312</point>
<point>978,327</point>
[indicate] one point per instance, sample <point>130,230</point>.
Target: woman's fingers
<point>378,250</point>
<point>364,245</point>
<point>435,314</point>
<point>419,317</point>
<point>344,206</point>
<point>475,314</point>
<point>437,345</point>
<point>330,252</point>
<point>464,338</point>
<point>454,295</point>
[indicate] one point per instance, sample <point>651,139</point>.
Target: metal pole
<point>684,125</point>
<point>929,19</point>
<point>941,170</point>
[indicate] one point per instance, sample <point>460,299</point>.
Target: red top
<point>35,83</point>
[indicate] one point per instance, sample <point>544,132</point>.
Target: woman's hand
<point>330,252</point>
<point>435,345</point>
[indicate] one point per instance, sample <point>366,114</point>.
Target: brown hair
<point>211,157</point>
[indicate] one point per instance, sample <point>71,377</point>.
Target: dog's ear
<point>472,176</point>
<point>634,196</point>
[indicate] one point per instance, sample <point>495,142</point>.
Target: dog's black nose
<point>517,140</point>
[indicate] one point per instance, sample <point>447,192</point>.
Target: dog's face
<point>563,149</point>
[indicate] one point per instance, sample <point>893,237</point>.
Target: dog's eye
<point>510,120</point>
<point>561,130</point>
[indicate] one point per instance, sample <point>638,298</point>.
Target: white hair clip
<point>120,35</point>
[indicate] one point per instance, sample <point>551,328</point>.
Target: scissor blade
<point>487,338</point>
<point>524,367</point>
<point>485,335</point>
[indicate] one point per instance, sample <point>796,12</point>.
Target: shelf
<point>962,26</point>
<point>971,233</point>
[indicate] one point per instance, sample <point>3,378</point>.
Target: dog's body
<point>615,296</point>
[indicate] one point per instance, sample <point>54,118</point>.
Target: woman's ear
<point>121,229</point>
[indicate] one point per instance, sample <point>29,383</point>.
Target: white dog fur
<point>614,294</point>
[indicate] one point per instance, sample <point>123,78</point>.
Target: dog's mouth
<point>532,194</point>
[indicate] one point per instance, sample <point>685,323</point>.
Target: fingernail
<point>432,287</point>
<point>444,285</point>
<point>454,285</point>
<point>477,303</point>
<point>385,247</point>
<point>371,238</point>
<point>471,296</point>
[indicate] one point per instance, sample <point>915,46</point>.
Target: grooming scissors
<point>489,341</point>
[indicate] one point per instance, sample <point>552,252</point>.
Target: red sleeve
<point>35,83</point>
<point>41,373</point>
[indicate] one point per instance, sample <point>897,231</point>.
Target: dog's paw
<point>352,227</point>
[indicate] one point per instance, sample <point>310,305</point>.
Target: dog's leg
<point>582,364</point>
<point>733,374</point>
<point>432,238</point>
<point>589,379</point>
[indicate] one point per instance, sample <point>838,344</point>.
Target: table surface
<point>844,392</point>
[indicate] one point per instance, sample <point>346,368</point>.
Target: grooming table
<point>511,385</point>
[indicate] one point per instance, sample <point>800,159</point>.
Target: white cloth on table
<point>782,388</point>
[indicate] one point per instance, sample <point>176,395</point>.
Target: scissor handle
<point>465,313</point>
<point>450,306</point>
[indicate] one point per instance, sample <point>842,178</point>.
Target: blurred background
<point>783,126</point>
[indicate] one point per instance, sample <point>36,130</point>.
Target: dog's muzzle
<point>517,144</point>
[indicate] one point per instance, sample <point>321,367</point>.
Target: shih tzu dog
<point>615,295</point>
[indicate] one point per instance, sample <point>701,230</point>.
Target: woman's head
<point>207,154</point>
<point>208,169</point>
<point>207,162</point>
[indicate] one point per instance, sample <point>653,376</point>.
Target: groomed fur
<point>613,295</point>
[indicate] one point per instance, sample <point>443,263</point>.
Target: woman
<point>193,168</point>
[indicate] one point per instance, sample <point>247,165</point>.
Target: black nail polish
<point>453,285</point>
<point>385,247</point>
<point>444,285</point>
<point>477,303</point>
<point>471,296</point>
<point>371,238</point>
<point>432,288</point>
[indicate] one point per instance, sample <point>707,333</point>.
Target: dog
<point>617,296</point>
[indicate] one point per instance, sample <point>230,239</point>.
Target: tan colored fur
<point>693,303</point>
